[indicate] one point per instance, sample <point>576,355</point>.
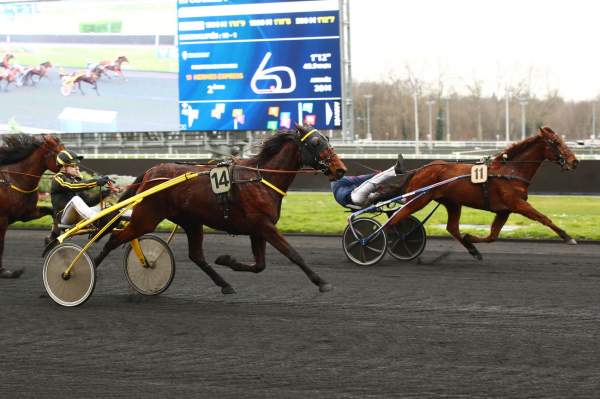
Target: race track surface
<point>525,322</point>
<point>146,101</point>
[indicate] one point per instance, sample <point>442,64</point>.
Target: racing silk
<point>343,187</point>
<point>64,187</point>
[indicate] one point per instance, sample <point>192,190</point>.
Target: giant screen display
<point>259,64</point>
<point>75,66</point>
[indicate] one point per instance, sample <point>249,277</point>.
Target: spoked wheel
<point>406,239</point>
<point>372,251</point>
<point>77,287</point>
<point>156,276</point>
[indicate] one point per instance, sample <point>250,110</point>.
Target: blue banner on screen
<point>259,65</point>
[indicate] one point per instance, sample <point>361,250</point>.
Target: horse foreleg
<point>274,237</point>
<point>258,249</point>
<point>453,227</point>
<point>499,221</point>
<point>80,89</point>
<point>195,236</point>
<point>524,208</point>
<point>6,273</point>
<point>96,88</point>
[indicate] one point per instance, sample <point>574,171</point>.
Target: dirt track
<point>525,322</point>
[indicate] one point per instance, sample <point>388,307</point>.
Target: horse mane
<point>517,148</point>
<point>16,147</point>
<point>272,146</point>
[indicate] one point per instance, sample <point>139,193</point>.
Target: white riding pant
<point>360,195</point>
<point>77,210</point>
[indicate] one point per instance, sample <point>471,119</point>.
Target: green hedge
<point>101,27</point>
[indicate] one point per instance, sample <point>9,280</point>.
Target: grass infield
<point>318,213</point>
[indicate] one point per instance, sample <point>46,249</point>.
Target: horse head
<point>52,146</point>
<point>316,152</point>
<point>46,64</point>
<point>122,59</point>
<point>556,150</point>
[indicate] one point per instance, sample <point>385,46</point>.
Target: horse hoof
<point>5,273</point>
<point>476,255</point>
<point>227,290</point>
<point>325,287</point>
<point>571,242</point>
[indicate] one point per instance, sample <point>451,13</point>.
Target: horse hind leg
<point>138,226</point>
<point>195,236</point>
<point>259,246</point>
<point>497,224</point>
<point>452,226</point>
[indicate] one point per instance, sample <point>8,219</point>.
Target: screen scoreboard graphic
<point>259,65</point>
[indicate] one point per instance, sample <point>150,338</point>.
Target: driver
<point>362,190</point>
<point>70,200</point>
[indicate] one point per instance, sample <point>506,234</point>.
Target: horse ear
<point>298,126</point>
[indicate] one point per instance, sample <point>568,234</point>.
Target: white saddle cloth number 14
<point>219,180</point>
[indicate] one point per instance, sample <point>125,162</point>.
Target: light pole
<point>416,100</point>
<point>594,120</point>
<point>448,119</point>
<point>429,108</point>
<point>507,115</point>
<point>368,97</point>
<point>523,103</point>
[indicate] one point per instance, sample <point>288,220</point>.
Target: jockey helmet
<point>68,158</point>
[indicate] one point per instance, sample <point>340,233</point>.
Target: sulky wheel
<point>364,254</point>
<point>154,277</point>
<point>77,287</point>
<point>406,239</point>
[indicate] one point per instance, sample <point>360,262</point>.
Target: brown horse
<point>23,160</point>
<point>76,78</point>
<point>40,71</point>
<point>114,66</point>
<point>505,192</point>
<point>5,63</point>
<point>253,207</point>
<point>10,75</point>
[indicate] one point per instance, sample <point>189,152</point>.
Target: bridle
<point>560,159</point>
<point>312,145</point>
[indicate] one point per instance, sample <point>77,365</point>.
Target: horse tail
<point>130,192</point>
<point>132,188</point>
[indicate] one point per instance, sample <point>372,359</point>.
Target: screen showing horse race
<point>259,64</point>
<point>88,66</point>
<point>166,65</point>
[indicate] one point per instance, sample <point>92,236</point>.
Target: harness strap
<point>273,187</point>
<point>24,191</point>
<point>307,135</point>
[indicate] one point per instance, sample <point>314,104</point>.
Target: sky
<point>550,44</point>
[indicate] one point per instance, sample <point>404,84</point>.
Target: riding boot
<point>399,167</point>
<point>5,273</point>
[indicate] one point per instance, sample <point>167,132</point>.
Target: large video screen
<point>88,66</point>
<point>77,66</point>
<point>259,64</point>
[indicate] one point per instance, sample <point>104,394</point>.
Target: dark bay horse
<point>253,209</point>
<point>23,160</point>
<point>114,66</point>
<point>40,71</point>
<point>505,192</point>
